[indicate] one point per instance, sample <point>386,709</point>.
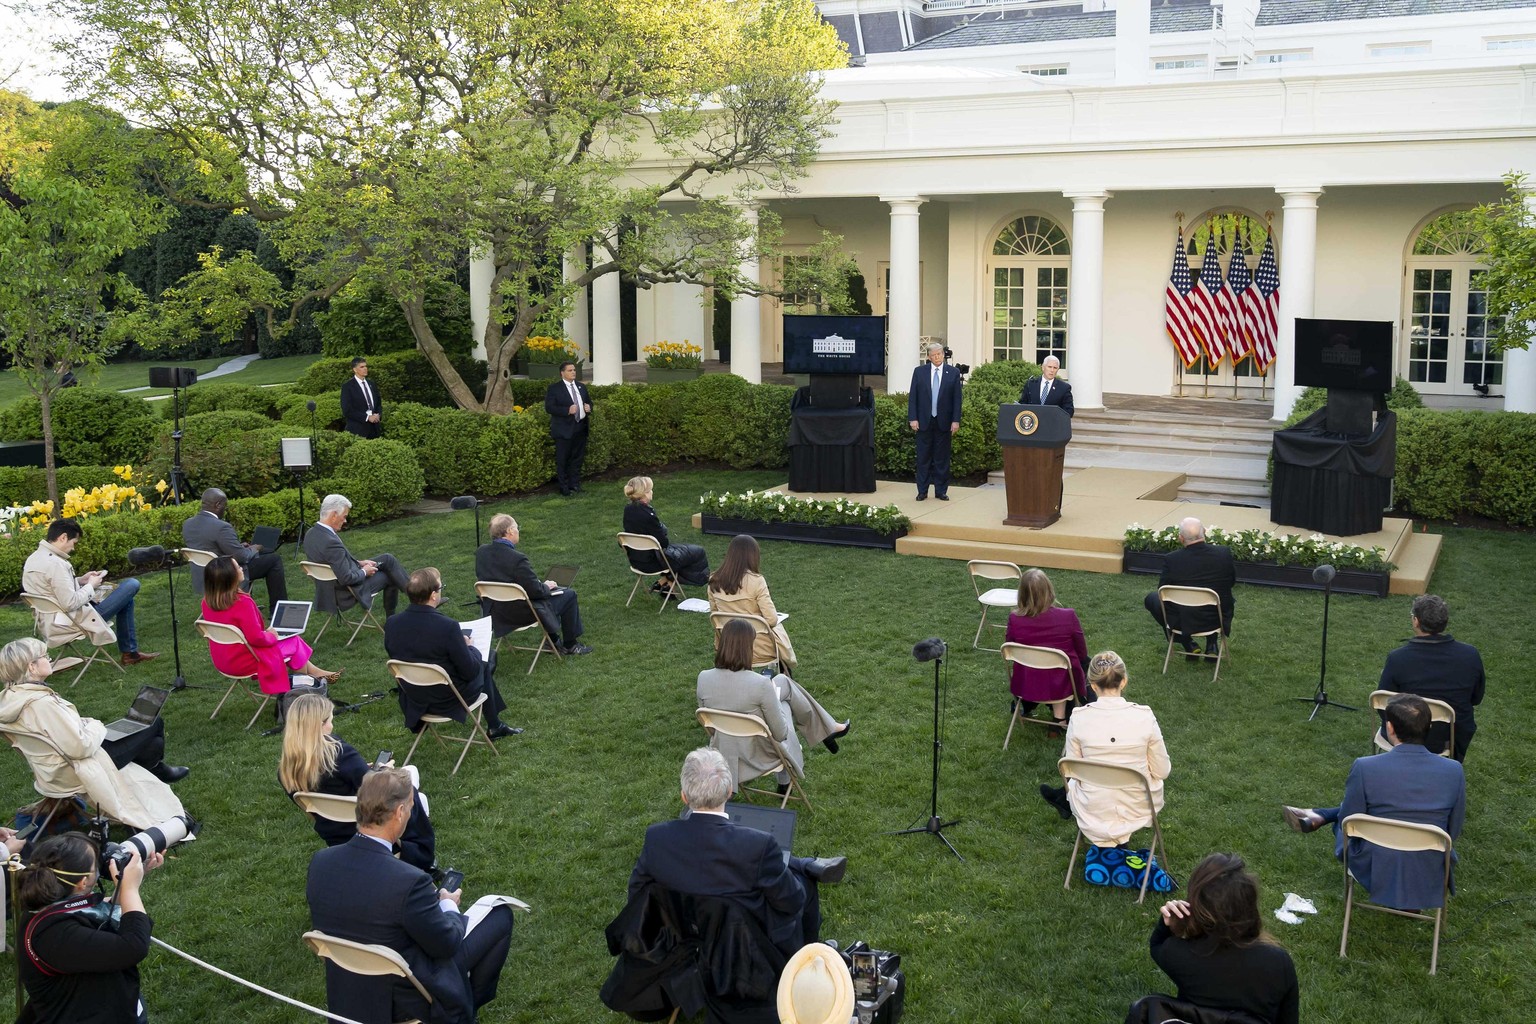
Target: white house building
<point>1011,174</point>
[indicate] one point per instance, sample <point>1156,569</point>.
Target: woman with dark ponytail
<point>79,953</point>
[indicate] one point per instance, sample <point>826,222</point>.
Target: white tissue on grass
<point>1286,916</point>
<point>1297,904</point>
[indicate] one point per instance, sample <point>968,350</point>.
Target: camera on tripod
<point>879,986</point>
<point>156,839</point>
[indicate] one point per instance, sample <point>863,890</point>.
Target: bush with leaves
<point>1455,463</point>
<point>237,452</point>
<point>362,320</point>
<point>97,427</point>
<point>399,376</point>
<point>21,485</point>
<point>382,477</point>
<point>218,396</point>
<point>22,420</point>
<point>1001,382</point>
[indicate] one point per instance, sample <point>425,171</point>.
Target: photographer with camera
<point>79,953</point>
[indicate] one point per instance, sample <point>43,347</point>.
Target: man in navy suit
<point>933,411</point>
<point>569,405</point>
<point>361,406</point>
<point>359,891</point>
<point>1407,783</point>
<point>499,561</point>
<point>1046,389</point>
<point>421,633</point>
<point>705,854</point>
<point>1196,564</point>
<point>1437,665</point>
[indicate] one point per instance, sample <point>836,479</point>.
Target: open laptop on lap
<point>142,713</point>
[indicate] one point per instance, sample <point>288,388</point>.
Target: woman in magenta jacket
<point>223,601</point>
<point>1040,622</point>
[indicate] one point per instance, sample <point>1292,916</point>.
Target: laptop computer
<point>270,538</point>
<point>141,713</point>
<point>290,618</point>
<point>778,822</point>
<point>563,575</point>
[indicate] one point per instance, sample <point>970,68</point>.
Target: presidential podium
<point>1034,440</point>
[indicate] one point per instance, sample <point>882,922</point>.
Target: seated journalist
<point>322,543</point>
<point>360,891</point>
<point>1196,564</point>
<point>210,531</point>
<point>689,561</point>
<point>421,633</point>
<point>500,561</point>
<point>1435,664</point>
<point>87,604</point>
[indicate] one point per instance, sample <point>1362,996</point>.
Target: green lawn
<point>122,376</point>
<point>558,818</point>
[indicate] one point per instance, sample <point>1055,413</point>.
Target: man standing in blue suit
<point>933,411</point>
<point>1407,783</point>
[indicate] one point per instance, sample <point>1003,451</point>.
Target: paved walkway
<point>234,365</point>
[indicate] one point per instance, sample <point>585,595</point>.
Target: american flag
<point>1264,307</point>
<point>1240,281</point>
<point>1179,308</point>
<point>1215,302</point>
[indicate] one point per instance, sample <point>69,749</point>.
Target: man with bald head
<point>1196,564</point>
<point>210,531</point>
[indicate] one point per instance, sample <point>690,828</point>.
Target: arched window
<point>1447,348</point>
<point>1030,264</point>
<point>1032,236</point>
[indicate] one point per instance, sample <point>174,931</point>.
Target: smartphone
<point>453,880</point>
<point>385,756</point>
<point>866,974</point>
<point>26,833</point>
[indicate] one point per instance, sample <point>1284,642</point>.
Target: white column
<point>1520,363</point>
<point>747,317</point>
<point>607,329</point>
<point>1298,287</point>
<point>482,271</point>
<point>1085,300</point>
<point>964,297</point>
<point>903,303</point>
<point>576,327</point>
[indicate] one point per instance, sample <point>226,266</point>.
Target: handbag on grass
<point>1122,869</point>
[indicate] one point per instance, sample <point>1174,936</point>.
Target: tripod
<point>178,479</point>
<point>1323,574</point>
<point>933,650</point>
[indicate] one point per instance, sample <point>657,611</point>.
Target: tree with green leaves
<point>72,201</point>
<point>1508,230</point>
<point>380,139</point>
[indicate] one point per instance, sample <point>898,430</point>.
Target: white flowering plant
<point>1265,547</point>
<point>778,507</point>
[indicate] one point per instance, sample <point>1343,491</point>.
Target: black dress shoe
<point>826,870</point>
<point>922,497</point>
<point>831,741</point>
<point>169,773</point>
<point>942,497</point>
<point>501,730</point>
<point>1057,798</point>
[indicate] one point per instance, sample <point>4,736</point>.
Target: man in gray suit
<point>368,577</point>
<point>209,531</point>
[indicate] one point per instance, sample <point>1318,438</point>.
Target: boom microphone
<point>152,555</point>
<point>463,502</point>
<point>929,650</point>
<point>310,405</point>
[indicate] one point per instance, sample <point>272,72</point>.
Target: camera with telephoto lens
<point>879,986</point>
<point>156,839</point>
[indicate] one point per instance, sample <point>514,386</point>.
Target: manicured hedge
<point>223,396</point>
<point>22,485</point>
<point>1452,464</point>
<point>399,376</point>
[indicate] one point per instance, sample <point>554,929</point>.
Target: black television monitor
<point>834,344</point>
<point>1354,355</point>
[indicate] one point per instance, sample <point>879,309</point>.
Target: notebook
<point>141,713</point>
<point>270,538</point>
<point>290,618</point>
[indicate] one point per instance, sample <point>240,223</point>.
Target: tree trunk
<point>427,342</point>
<point>45,406</point>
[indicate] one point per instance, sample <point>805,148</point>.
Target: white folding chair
<point>1190,599</point>
<point>734,723</point>
<point>366,959</point>
<point>644,542</point>
<point>1439,711</point>
<point>761,628</point>
<point>984,577</point>
<point>1406,837</point>
<point>199,558</point>
<point>327,805</point>
<point>1115,776</point>
<point>419,673</point>
<point>45,610</point>
<point>230,636</point>
<point>322,573</point>
<point>1043,658</point>
<point>513,593</point>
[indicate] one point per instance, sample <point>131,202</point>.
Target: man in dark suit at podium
<point>933,411</point>
<point>1046,389</point>
<point>1196,564</point>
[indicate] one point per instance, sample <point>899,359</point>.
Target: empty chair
<point>1406,837</point>
<point>997,586</point>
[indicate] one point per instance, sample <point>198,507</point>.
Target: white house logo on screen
<point>833,345</point>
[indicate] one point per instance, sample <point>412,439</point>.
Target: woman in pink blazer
<point>1040,622</point>
<point>223,601</point>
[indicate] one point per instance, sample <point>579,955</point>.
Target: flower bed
<point>773,515</point>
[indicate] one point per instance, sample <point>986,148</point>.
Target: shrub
<point>1451,464</point>
<point>381,476</point>
<point>516,454</point>
<point>218,396</point>
<point>22,420</point>
<point>446,443</point>
<point>1000,382</point>
<point>293,410</point>
<point>96,427</point>
<point>21,485</point>
<point>633,426</point>
<point>399,376</point>
<point>237,452</point>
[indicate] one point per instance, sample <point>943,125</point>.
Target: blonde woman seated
<point>1040,622</point>
<point>317,761</point>
<point>1115,730</point>
<point>225,602</point>
<point>689,561</point>
<point>739,588</point>
<point>780,702</point>
<point>126,778</point>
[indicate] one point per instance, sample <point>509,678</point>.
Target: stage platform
<point>1098,505</point>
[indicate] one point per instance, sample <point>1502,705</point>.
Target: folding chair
<point>1190,598</point>
<point>322,573</point>
<point>760,627</point>
<point>423,674</point>
<point>734,723</point>
<point>1439,711</point>
<point>199,558</point>
<point>36,748</point>
<point>513,593</point>
<point>993,596</point>
<point>362,958</point>
<point>45,610</point>
<point>1115,776</point>
<point>1038,658</point>
<point>230,636</point>
<point>1407,837</point>
<point>644,542</point>
<point>327,805</point>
